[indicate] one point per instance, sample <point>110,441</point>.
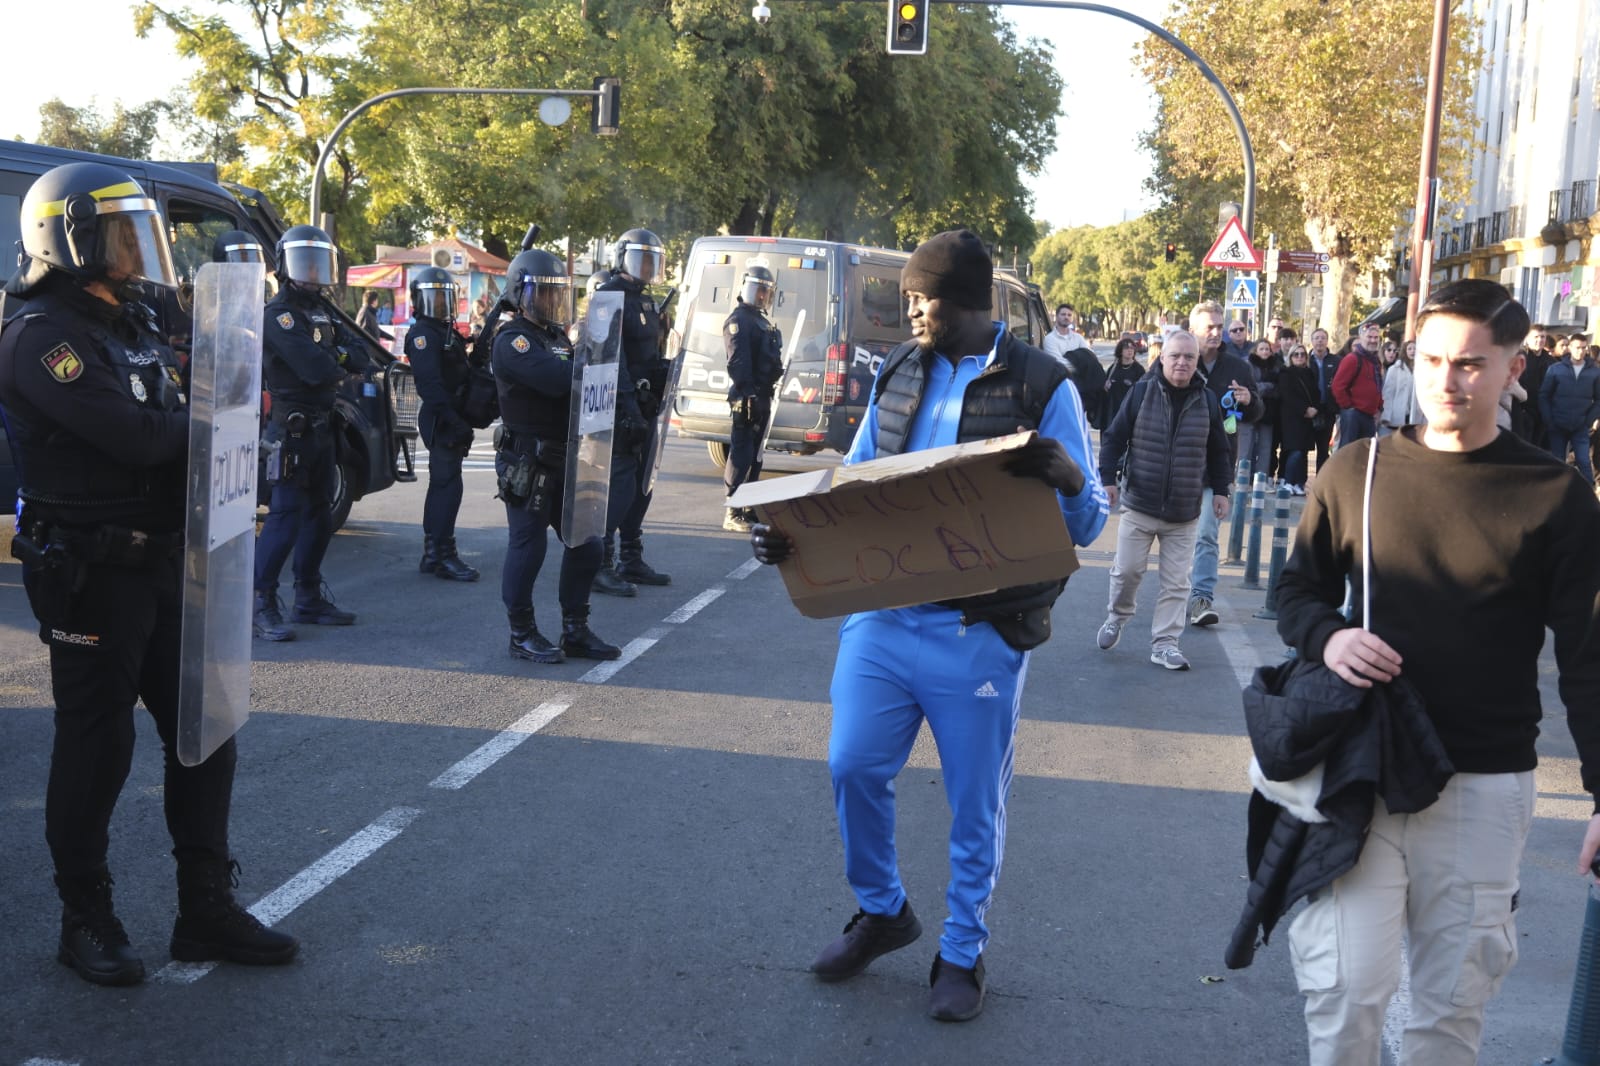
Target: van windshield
<point>802,286</point>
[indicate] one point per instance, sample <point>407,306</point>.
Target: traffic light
<point>607,107</point>
<point>908,27</point>
<point>1172,252</point>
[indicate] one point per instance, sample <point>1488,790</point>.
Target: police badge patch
<point>286,320</point>
<point>733,329</point>
<point>136,386</point>
<point>316,334</point>
<point>63,363</point>
<point>422,344</point>
<point>520,344</point>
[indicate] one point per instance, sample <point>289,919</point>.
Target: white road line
<point>1242,654</point>
<point>744,569</point>
<point>604,672</point>
<point>49,1062</point>
<point>499,745</point>
<point>692,608</point>
<point>282,901</point>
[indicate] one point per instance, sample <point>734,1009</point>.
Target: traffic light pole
<point>314,198</point>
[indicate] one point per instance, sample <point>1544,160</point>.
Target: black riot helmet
<point>237,246</point>
<point>759,287</point>
<point>94,222</point>
<point>433,294</point>
<point>306,255</point>
<point>540,287</point>
<point>640,254</point>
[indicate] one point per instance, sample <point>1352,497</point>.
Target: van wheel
<point>719,452</point>
<point>344,476</point>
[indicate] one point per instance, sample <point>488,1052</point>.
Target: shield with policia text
<point>593,419</point>
<point>220,542</point>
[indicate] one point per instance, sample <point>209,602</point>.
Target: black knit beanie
<point>954,266</point>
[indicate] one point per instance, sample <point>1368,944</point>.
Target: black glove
<point>1048,461</point>
<point>770,546</point>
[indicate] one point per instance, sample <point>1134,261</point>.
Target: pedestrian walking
<point>957,664</point>
<point>1125,370</point>
<point>1168,442</point>
<point>1358,387</point>
<point>1569,403</point>
<point>1445,879</point>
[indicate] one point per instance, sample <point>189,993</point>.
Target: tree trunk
<point>744,223</point>
<point>1339,283</point>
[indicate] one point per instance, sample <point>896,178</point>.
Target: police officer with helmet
<point>755,365</point>
<point>99,426</point>
<point>237,246</point>
<point>637,260</point>
<point>438,357</point>
<point>305,358</point>
<point>532,361</point>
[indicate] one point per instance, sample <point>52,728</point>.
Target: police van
<point>839,309</point>
<point>378,441</point>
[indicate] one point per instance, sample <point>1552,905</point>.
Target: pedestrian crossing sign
<point>1243,295</point>
<point>1232,249</point>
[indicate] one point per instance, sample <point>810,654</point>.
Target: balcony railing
<point>1480,233</point>
<point>1497,227</point>
<point>1580,201</point>
<point>1515,220</point>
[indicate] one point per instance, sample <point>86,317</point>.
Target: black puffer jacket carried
<point>1370,742</point>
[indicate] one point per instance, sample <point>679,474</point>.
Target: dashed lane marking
<point>502,744</point>
<point>744,569</point>
<point>692,608</point>
<point>636,647</point>
<point>282,901</point>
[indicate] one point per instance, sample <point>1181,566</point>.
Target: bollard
<point>1280,553</point>
<point>1581,1044</point>
<point>1252,553</point>
<point>1241,489</point>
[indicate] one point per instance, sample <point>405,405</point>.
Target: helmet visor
<point>243,252</point>
<point>133,242</point>
<point>547,298</point>
<point>758,293</point>
<point>309,262</point>
<point>435,301</point>
<point>643,261</point>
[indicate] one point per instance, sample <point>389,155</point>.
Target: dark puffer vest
<point>1013,391</point>
<point>1166,464</point>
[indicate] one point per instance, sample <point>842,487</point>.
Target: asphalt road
<point>645,871</point>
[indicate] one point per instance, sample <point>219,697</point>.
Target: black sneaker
<point>957,993</point>
<point>865,938</point>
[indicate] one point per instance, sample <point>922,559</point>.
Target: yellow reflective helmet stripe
<point>123,196</point>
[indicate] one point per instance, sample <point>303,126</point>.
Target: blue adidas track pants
<point>896,668</point>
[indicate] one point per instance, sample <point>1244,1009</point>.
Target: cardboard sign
<point>915,528</point>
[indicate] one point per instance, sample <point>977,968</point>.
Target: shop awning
<point>377,276</point>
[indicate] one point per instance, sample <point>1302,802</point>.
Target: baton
<point>788,357</point>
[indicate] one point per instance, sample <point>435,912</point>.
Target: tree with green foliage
<point>129,132</point>
<point>1332,93</point>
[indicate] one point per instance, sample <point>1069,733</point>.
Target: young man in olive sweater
<point>1479,542</point>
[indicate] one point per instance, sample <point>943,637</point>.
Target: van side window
<point>879,314</point>
<point>1016,305</point>
<point>10,231</point>
<point>193,230</point>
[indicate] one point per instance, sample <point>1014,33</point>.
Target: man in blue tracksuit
<point>958,663</point>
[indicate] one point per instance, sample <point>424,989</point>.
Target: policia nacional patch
<point>63,363</point>
<point>520,344</point>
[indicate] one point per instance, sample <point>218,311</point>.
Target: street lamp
<point>604,94</point>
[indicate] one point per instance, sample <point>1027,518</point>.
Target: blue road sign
<point>1243,295</point>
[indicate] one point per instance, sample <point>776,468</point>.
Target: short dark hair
<point>372,298</point>
<point>1285,333</point>
<point>1480,300</point>
<point>1065,307</point>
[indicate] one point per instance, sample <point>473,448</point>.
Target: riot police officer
<point>755,365</point>
<point>638,260</point>
<point>532,361</point>
<point>306,355</point>
<point>438,358</point>
<point>237,246</point>
<point>99,427</point>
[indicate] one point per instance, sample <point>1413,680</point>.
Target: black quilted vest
<point>1013,391</point>
<point>1166,465</point>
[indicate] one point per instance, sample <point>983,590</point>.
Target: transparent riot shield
<point>220,545</point>
<point>658,440</point>
<point>777,397</point>
<point>594,416</point>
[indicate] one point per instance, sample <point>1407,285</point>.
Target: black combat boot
<point>268,621</point>
<point>528,643</point>
<point>632,566</point>
<point>430,555</point>
<point>313,605</point>
<point>608,580</point>
<point>450,564</point>
<point>212,926</point>
<point>93,942</point>
<point>579,641</point>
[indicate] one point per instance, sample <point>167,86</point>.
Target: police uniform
<point>304,362</point>
<point>641,379</point>
<point>438,357</point>
<point>99,427</point>
<point>755,365</point>
<point>533,374</point>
